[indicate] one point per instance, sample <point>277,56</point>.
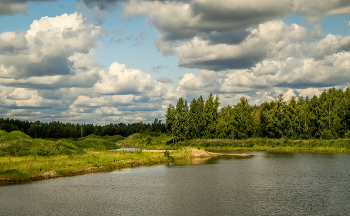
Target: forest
<point>324,117</point>
<point>57,130</point>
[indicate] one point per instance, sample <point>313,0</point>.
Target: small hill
<point>14,135</point>
<point>129,141</point>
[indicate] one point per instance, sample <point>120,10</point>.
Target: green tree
<point>180,122</point>
<point>211,114</point>
<point>170,119</point>
<point>242,119</point>
<point>225,127</point>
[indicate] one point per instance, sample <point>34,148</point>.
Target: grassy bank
<point>281,145</point>
<point>259,144</point>
<point>31,168</point>
<point>25,159</point>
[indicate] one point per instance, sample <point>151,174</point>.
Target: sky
<point>112,61</point>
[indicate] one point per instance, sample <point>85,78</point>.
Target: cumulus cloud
<point>48,73</point>
<point>120,80</point>
<point>47,47</point>
<point>11,7</point>
<point>310,92</point>
<point>179,20</point>
<point>267,69</point>
<point>8,8</point>
<point>219,35</point>
<point>101,5</point>
<point>164,80</point>
<point>241,47</point>
<point>314,10</point>
<point>265,41</point>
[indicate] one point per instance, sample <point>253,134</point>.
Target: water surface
<point>264,184</point>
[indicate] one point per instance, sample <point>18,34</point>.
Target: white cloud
<point>46,48</point>
<point>266,69</point>
<point>120,80</point>
<point>309,92</point>
<point>266,41</point>
<point>288,95</point>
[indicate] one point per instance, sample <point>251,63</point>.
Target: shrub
<point>327,135</point>
<point>347,135</point>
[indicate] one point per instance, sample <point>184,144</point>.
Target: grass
<point>29,168</point>
<point>278,145</point>
<point>17,143</point>
<point>259,144</point>
<point>25,159</point>
<point>139,140</point>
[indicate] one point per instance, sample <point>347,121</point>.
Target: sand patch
<point>196,153</point>
<point>51,174</point>
<point>96,169</point>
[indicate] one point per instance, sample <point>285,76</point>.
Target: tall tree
<point>211,113</point>
<point>242,119</point>
<point>225,127</point>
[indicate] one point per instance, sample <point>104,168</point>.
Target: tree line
<point>326,117</point>
<point>56,129</point>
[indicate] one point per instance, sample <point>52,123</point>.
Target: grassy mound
<point>14,135</point>
<point>141,140</point>
<point>26,147</point>
<point>98,142</point>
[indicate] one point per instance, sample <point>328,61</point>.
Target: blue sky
<point>126,60</point>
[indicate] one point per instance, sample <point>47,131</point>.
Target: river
<point>263,184</point>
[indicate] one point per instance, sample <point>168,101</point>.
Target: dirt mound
<point>97,169</point>
<point>51,174</point>
<point>196,153</point>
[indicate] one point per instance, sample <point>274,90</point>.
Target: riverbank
<point>23,159</point>
<point>274,145</point>
<point>14,170</point>
<point>26,169</point>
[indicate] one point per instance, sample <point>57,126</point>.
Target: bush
<point>327,135</point>
<point>347,135</point>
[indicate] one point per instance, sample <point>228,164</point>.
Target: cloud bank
<point>240,47</point>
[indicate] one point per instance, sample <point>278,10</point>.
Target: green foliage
<point>327,135</point>
<point>98,142</point>
<point>347,135</point>
<point>242,120</point>
<point>225,127</point>
<point>301,118</point>
<point>59,130</point>
<point>17,143</point>
<point>167,155</point>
